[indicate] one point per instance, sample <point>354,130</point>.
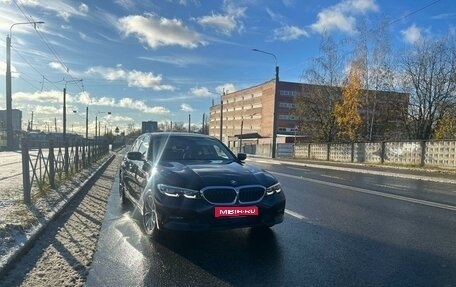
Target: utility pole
<point>87,122</point>
<point>203,127</point>
<point>9,108</point>
<point>31,123</point>
<point>189,119</point>
<point>240,138</point>
<point>221,116</point>
<point>276,96</point>
<point>55,124</point>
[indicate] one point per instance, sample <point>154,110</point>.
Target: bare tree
<point>315,106</point>
<point>372,49</point>
<point>430,78</point>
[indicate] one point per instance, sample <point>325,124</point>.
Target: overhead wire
<point>46,42</point>
<point>414,12</point>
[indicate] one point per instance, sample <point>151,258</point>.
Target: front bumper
<point>183,214</point>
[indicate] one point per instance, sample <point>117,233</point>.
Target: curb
<point>362,169</point>
<point>36,233</point>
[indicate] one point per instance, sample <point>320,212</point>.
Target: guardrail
<point>52,165</point>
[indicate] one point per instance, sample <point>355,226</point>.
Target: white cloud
<point>186,108</point>
<point>225,23</point>
<point>177,60</point>
<point>228,88</point>
<point>52,96</point>
<point>141,106</point>
<point>63,9</point>
<point>121,119</point>
<point>157,32</point>
<point>288,33</point>
<point>84,98</point>
<point>134,78</point>
<point>201,92</point>
<point>127,4</point>
<point>57,66</point>
<point>83,8</point>
<point>46,110</point>
<point>412,34</point>
<point>14,73</point>
<point>341,16</point>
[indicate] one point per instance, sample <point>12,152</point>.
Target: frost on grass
<point>17,220</point>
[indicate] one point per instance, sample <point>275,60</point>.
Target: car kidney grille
<point>230,195</point>
<point>220,195</point>
<point>251,194</point>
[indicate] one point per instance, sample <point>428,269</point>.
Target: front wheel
<point>149,216</point>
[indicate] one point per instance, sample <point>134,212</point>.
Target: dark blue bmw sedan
<point>184,181</point>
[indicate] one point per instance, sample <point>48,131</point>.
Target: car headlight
<point>174,191</point>
<point>276,188</point>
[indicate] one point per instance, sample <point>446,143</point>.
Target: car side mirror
<point>135,155</point>
<point>146,166</point>
<point>241,156</point>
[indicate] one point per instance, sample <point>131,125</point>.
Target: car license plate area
<point>235,211</point>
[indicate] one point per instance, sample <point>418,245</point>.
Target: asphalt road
<point>341,229</point>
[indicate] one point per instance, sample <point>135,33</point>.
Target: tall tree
<point>430,78</point>
<point>372,46</point>
<point>315,106</point>
<point>446,126</point>
<point>347,111</point>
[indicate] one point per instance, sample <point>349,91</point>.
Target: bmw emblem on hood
<point>233,182</point>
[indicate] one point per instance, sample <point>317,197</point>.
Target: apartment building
<point>248,113</point>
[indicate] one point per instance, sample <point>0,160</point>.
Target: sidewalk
<point>21,224</point>
<point>425,173</point>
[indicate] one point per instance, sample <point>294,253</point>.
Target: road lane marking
<point>360,170</point>
<point>299,168</point>
<point>295,214</point>
<point>266,161</point>
<point>372,192</point>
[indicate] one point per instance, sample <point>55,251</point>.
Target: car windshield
<point>179,148</point>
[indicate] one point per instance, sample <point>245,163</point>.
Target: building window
<point>286,105</point>
<point>288,93</point>
<point>288,117</point>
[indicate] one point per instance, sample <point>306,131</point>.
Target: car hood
<point>199,174</point>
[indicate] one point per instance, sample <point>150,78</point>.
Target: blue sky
<point>161,60</point>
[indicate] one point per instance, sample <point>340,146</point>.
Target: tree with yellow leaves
<point>446,126</point>
<point>347,110</point>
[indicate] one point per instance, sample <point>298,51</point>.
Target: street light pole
<point>87,122</point>
<point>189,119</point>
<point>240,140</point>
<point>276,93</point>
<point>9,108</point>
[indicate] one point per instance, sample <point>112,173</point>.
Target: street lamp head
<point>24,23</point>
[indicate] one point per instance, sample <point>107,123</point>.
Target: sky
<point>162,60</point>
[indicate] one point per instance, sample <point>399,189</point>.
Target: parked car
<point>184,181</point>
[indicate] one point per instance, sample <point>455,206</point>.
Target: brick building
<point>248,113</point>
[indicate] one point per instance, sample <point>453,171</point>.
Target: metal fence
<point>52,165</point>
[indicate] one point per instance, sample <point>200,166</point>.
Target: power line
<point>414,12</point>
<point>45,40</point>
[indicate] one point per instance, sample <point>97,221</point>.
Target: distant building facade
<point>149,127</point>
<point>16,119</point>
<point>17,127</point>
<point>249,113</point>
